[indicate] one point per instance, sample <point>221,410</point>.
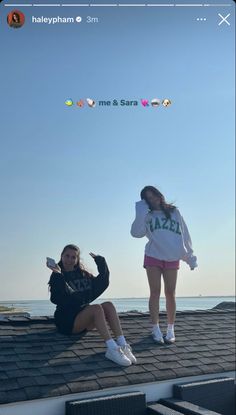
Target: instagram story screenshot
<point>117,205</point>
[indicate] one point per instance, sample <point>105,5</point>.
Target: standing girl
<point>72,289</point>
<point>169,241</point>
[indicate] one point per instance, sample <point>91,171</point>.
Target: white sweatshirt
<point>169,239</point>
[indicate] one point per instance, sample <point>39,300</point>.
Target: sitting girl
<point>72,289</point>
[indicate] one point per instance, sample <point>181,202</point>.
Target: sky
<point>73,175</point>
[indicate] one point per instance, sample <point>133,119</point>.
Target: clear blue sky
<point>72,175</point>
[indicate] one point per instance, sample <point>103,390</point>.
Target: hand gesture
<point>93,255</point>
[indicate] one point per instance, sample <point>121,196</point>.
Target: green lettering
<point>157,224</point>
<point>172,225</point>
<point>164,226</point>
<point>178,229</point>
<point>151,226</point>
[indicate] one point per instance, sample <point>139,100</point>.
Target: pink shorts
<point>154,262</point>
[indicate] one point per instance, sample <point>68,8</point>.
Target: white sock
<point>111,344</point>
<point>170,327</point>
<point>156,327</point>
<point>121,341</point>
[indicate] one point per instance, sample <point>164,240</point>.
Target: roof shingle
<point>37,362</point>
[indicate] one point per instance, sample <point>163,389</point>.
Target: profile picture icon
<point>16,19</point>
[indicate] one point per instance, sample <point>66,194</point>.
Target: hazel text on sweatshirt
<point>169,239</point>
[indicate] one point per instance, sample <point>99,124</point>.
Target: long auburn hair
<point>167,208</point>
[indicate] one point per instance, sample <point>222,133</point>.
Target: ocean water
<point>45,308</point>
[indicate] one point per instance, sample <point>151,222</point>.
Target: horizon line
<point>132,298</point>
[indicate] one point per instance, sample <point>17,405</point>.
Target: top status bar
<point>118,5</point>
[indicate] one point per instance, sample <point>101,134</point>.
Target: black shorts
<point>64,320</point>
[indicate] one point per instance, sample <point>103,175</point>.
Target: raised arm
<point>138,228</point>
<point>101,282</point>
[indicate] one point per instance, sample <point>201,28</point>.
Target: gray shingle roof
<point>37,362</point>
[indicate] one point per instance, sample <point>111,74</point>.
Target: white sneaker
<point>118,356</point>
<point>170,337</point>
<point>128,353</point>
<point>157,336</point>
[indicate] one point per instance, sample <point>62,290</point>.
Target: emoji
<point>69,102</point>
<point>91,102</point>
<point>155,102</point>
<point>145,102</point>
<point>80,103</point>
<point>166,102</point>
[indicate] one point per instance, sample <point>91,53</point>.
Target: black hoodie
<point>72,290</point>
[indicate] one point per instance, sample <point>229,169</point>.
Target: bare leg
<point>92,316</point>
<point>112,318</point>
<point>170,278</point>
<point>154,279</point>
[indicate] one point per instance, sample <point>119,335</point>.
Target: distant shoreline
<point>6,309</point>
